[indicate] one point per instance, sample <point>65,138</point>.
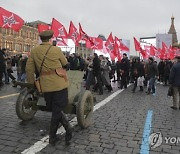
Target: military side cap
<point>47,34</point>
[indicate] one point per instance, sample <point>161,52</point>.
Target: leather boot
<point>52,133</point>
<point>67,127</point>
<point>109,87</point>
<point>100,90</point>
<point>141,88</point>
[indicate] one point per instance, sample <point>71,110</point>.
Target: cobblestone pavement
<point>117,127</point>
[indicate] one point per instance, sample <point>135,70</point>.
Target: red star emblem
<point>9,21</point>
<point>75,35</point>
<point>95,44</point>
<point>110,47</point>
<point>61,31</point>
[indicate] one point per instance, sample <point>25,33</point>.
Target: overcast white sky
<point>124,18</point>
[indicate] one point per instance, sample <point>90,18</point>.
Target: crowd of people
<point>99,73</point>
<point>7,63</point>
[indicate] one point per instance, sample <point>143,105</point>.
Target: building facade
<point>83,51</point>
<point>19,42</point>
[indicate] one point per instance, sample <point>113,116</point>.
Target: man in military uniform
<point>53,86</point>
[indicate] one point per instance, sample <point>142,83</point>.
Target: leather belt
<point>47,73</point>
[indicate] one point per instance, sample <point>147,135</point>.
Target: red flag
<point>137,45</point>
<point>73,33</point>
<point>97,43</point>
<point>159,54</point>
<point>84,36</point>
<point>59,41</point>
<point>144,54</point>
<point>104,50</point>
<point>164,51</point>
<point>117,49</point>
<point>138,48</point>
<point>147,51</point>
<point>164,48</point>
<point>152,50</point>
<point>176,51</point>
<point>43,27</point>
<point>110,45</point>
<point>121,45</point>
<point>58,28</point>
<point>172,52</point>
<point>10,20</point>
<point>112,57</point>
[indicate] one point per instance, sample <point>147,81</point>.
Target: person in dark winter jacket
<point>113,70</point>
<point>105,69</point>
<point>138,71</point>
<point>90,75</point>
<point>161,71</point>
<point>9,70</point>
<point>118,65</point>
<point>132,66</point>
<point>124,71</point>
<point>174,81</point>
<point>23,66</point>
<point>152,75</point>
<point>97,73</point>
<point>2,65</point>
<point>167,68</point>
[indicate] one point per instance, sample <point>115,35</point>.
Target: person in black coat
<point>113,70</point>
<point>4,58</point>
<point>132,67</point>
<point>118,66</point>
<point>152,75</point>
<point>167,68</point>
<point>138,71</point>
<point>124,71</point>
<point>161,70</point>
<point>97,74</point>
<point>2,65</point>
<point>174,81</point>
